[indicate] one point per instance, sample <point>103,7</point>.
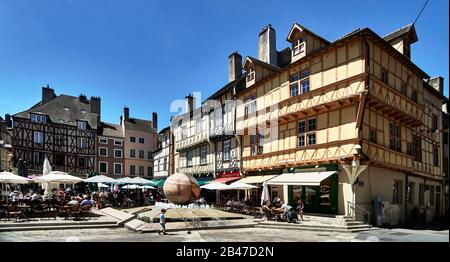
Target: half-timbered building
<point>62,128</point>
<point>342,123</point>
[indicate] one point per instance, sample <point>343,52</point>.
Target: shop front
<point>318,190</point>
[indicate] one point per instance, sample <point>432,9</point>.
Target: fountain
<point>183,191</point>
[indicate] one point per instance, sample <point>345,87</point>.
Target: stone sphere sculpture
<point>181,189</point>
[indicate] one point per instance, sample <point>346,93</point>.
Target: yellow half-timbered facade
<point>357,106</point>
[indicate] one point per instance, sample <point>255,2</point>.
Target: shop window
<point>310,195</point>
<point>325,192</point>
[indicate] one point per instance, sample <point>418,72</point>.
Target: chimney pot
<point>267,49</point>
<point>126,113</point>
<point>155,121</point>
<point>47,94</point>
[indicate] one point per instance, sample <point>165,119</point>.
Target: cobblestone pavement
<point>227,235</point>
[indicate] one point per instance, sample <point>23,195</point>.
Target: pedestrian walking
<point>162,222</point>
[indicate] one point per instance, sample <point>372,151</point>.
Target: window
<point>404,89</point>
<point>132,170</point>
<point>59,140</point>
<point>373,135</point>
<point>294,85</point>
<point>260,143</point>
<point>149,155</point>
<point>250,74</point>
<point>132,152</point>
<point>435,156</point>
<point>299,80</point>
<point>189,156</point>
<point>141,170</point>
<point>311,139</point>
<point>103,167</point>
<point>103,141</point>
<point>301,127</point>
<point>117,142</point>
<point>253,145</point>
<point>165,164</point>
<point>81,162</point>
<point>103,151</point>
<point>38,118</point>
<point>180,123</point>
<point>132,139</point>
<point>38,158</point>
<point>416,148</point>
<point>141,154</point>
<point>414,95</point>
<point>82,142</point>
<point>301,141</point>
<point>218,117</point>
<point>198,126</point>
<point>432,196</point>
<point>118,153</point>
<point>421,194</point>
<point>203,155</point>
<point>434,122</point>
<point>312,124</point>
<point>38,137</point>
<point>249,105</point>
<point>117,168</point>
<point>411,193</point>
<point>397,192</point>
<point>141,140</point>
<point>298,46</point>
<point>384,76</point>
<point>394,137</point>
<point>60,160</point>
<point>150,171</point>
<point>81,125</point>
<point>226,150</point>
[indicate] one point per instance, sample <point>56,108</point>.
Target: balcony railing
<point>191,141</point>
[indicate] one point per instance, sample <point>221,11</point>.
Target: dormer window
<point>36,118</point>
<point>298,46</point>
<point>81,125</point>
<point>251,74</point>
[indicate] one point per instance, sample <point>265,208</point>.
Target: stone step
<point>121,216</point>
<point>58,227</point>
<point>4,224</point>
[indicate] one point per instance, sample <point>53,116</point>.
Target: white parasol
<point>100,179</point>
<point>10,178</point>
<point>265,193</point>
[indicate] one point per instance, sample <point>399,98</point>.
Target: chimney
<point>190,103</point>
<point>126,113</point>
<point>96,105</point>
<point>267,50</point>
<point>82,98</point>
<point>8,120</point>
<point>437,83</point>
<point>234,66</point>
<point>155,120</point>
<point>47,94</point>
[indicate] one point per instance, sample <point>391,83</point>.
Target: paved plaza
<point>227,235</point>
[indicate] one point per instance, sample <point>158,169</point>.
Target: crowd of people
<point>278,210</point>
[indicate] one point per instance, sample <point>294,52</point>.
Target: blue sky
<point>146,54</point>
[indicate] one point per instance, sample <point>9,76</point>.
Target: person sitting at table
<point>87,202</point>
<point>79,198</point>
<point>266,210</point>
<point>73,202</point>
<point>36,198</point>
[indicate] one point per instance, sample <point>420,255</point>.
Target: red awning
<point>225,180</point>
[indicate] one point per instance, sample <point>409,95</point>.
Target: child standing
<point>162,222</point>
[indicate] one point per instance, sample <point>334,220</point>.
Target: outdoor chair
<point>86,210</point>
<point>13,212</point>
<point>74,212</point>
<point>63,211</point>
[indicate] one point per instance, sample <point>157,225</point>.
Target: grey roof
<point>262,63</point>
<point>238,83</point>
<point>111,130</point>
<point>308,31</point>
<point>164,130</point>
<point>409,29</point>
<point>64,109</point>
<point>139,125</point>
<point>284,57</point>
